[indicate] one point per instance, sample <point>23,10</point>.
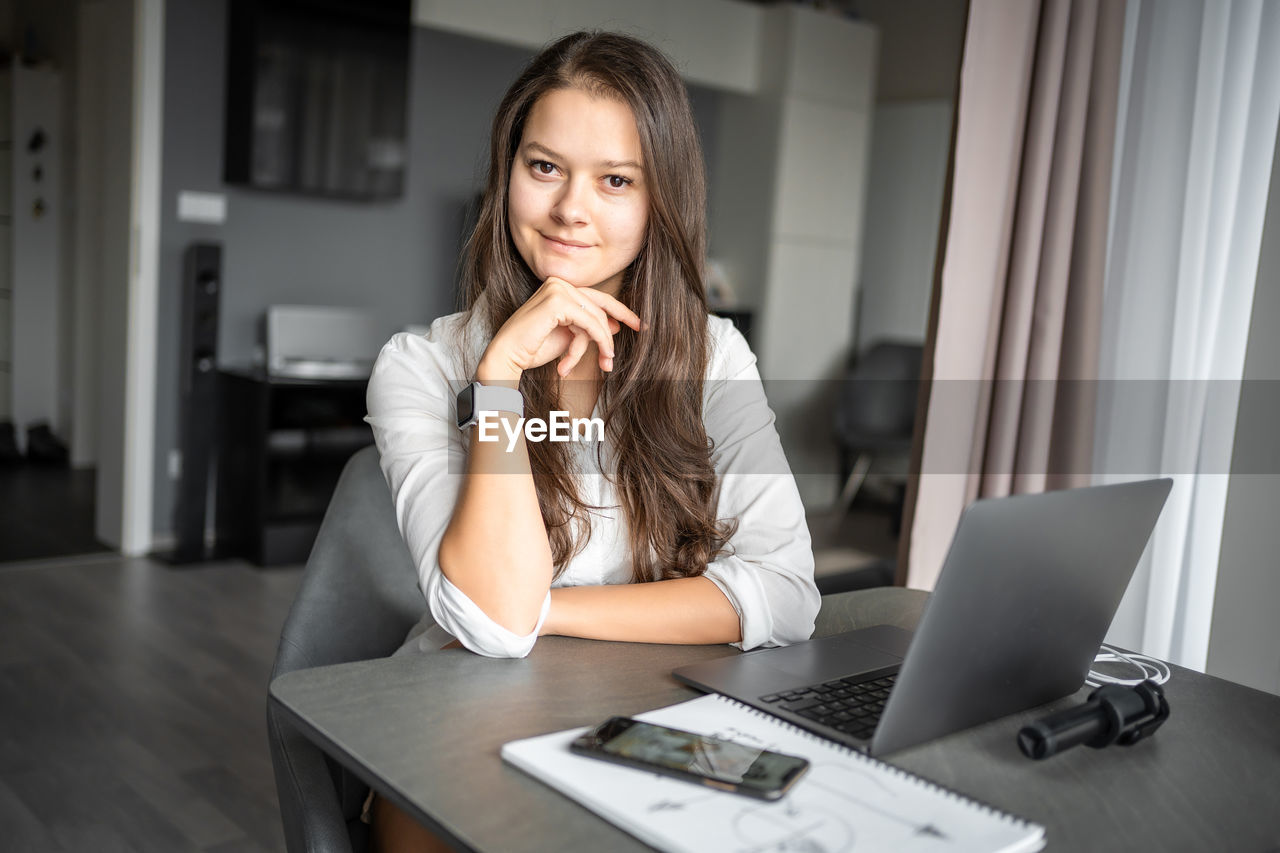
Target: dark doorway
<point>46,511</point>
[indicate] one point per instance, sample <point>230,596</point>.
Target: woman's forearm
<point>685,610</point>
<point>495,549</point>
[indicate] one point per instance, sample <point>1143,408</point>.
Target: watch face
<point>466,405</point>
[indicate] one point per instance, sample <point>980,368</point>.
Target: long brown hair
<point>652,401</point>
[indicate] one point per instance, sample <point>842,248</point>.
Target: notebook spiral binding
<point>906,775</point>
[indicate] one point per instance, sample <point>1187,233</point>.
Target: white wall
<point>51,25</point>
<point>1244,640</point>
<point>713,42</point>
<point>35,253</point>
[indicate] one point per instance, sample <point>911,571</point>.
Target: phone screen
<point>750,769</point>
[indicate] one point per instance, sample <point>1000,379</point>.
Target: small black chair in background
<point>875,411</point>
<point>359,598</point>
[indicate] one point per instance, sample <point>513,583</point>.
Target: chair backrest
<point>877,399</point>
<point>359,598</point>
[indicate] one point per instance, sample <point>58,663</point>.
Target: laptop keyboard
<point>844,704</point>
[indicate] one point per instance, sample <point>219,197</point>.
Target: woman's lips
<point>566,246</point>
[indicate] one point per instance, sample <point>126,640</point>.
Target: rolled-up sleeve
<point>423,457</point>
<point>768,573</point>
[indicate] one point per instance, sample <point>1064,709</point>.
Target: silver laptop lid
<point>1026,595</point>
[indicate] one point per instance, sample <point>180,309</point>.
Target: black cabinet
<point>283,445</point>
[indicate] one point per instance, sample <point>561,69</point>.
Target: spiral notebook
<point>847,801</point>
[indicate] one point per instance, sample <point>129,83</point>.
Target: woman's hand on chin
<point>557,321</point>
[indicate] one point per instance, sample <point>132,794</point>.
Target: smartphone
<point>709,761</point>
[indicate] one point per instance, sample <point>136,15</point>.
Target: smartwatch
<point>477,398</point>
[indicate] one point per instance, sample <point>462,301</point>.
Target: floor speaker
<point>198,396</point>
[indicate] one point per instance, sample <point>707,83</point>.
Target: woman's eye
<point>617,182</point>
<point>542,167</point>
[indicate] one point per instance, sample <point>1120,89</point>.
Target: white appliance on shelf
<point>320,342</point>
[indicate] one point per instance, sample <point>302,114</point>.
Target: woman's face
<point>578,202</point>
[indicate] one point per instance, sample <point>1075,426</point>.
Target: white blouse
<point>767,573</point>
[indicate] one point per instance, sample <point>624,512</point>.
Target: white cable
<point>1151,668</point>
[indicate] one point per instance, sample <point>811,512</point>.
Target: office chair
<point>359,598</point>
<point>876,410</point>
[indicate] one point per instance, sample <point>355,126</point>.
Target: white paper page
<point>846,802</point>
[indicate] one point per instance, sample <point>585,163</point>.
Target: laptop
<point>1025,598</point>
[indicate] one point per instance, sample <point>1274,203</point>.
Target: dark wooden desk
<point>426,731</point>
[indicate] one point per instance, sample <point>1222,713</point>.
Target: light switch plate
<point>208,208</point>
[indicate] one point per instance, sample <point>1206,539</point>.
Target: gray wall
<point>108,178</point>
<point>910,142</point>
<point>920,46</point>
<point>921,43</point>
<point>397,258</point>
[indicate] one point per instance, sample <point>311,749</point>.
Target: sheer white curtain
<point>1196,134</point>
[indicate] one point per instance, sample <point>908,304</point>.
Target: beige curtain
<point>1014,333</point>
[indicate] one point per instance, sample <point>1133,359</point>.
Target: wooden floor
<point>133,694</point>
<point>46,512</point>
<point>132,703</point>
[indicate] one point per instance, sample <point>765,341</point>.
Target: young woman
<point>584,294</point>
